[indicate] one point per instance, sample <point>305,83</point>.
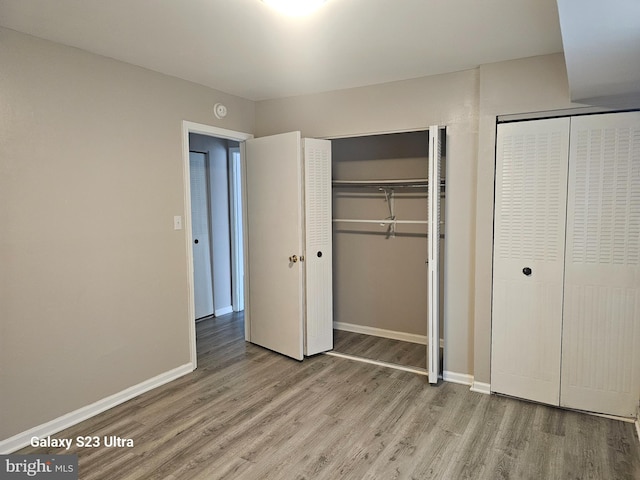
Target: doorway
<point>212,223</point>
<point>214,156</point>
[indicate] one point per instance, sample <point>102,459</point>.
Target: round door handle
<point>527,271</point>
<point>293,258</point>
<point>319,254</point>
<point>195,241</point>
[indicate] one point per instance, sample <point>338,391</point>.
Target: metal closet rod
<point>381,222</point>
<point>410,182</point>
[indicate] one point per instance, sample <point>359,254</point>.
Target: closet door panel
<point>274,229</point>
<point>318,246</point>
<point>530,214</point>
<point>601,335</point>
<point>433,254</point>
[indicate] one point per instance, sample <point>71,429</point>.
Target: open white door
<point>433,246</point>
<point>273,172</point>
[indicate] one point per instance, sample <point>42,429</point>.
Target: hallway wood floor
<point>248,413</point>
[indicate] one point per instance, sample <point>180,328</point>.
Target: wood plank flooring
<point>381,349</point>
<point>250,414</point>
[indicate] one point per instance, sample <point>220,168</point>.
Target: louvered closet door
<point>530,213</point>
<point>601,336</point>
<point>318,248</point>
<point>433,253</point>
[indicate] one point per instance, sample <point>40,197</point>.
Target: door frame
<point>211,131</point>
<point>237,230</point>
<point>434,364</point>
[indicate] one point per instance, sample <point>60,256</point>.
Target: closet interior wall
<point>380,278</point>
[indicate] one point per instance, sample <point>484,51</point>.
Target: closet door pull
<point>319,254</point>
<point>195,241</point>
<point>293,259</point>
<point>527,271</point>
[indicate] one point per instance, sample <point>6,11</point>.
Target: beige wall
<point>519,86</point>
<point>93,286</point>
<point>468,103</point>
<point>450,100</point>
<point>93,278</point>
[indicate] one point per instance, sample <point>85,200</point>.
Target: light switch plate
<point>177,222</point>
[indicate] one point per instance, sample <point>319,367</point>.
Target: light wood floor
<point>248,413</point>
<point>381,349</point>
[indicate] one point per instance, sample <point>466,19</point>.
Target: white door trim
<point>235,190</point>
<point>202,129</point>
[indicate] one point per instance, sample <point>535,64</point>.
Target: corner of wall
<point>56,425</point>
<point>465,379</point>
<point>481,387</point>
<point>638,420</point>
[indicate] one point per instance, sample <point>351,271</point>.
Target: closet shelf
<point>406,183</point>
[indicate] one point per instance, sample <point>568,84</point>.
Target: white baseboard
<point>461,378</point>
<point>223,311</point>
<point>381,332</point>
<point>480,387</point>
<point>466,379</point>
<point>65,421</point>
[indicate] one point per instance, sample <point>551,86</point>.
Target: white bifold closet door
<point>318,246</point>
<point>601,322</point>
<point>566,291</point>
<point>530,214</point>
<point>433,253</point>
<point>274,308</point>
<point>288,306</point>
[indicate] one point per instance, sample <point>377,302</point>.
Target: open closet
<point>384,195</point>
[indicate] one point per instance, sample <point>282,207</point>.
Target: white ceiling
<point>244,48</point>
<point>602,49</point>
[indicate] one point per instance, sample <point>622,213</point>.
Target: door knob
<point>293,258</point>
<point>526,271</point>
<point>195,241</point>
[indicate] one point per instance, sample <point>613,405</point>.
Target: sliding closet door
<point>530,213</point>
<point>601,337</point>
